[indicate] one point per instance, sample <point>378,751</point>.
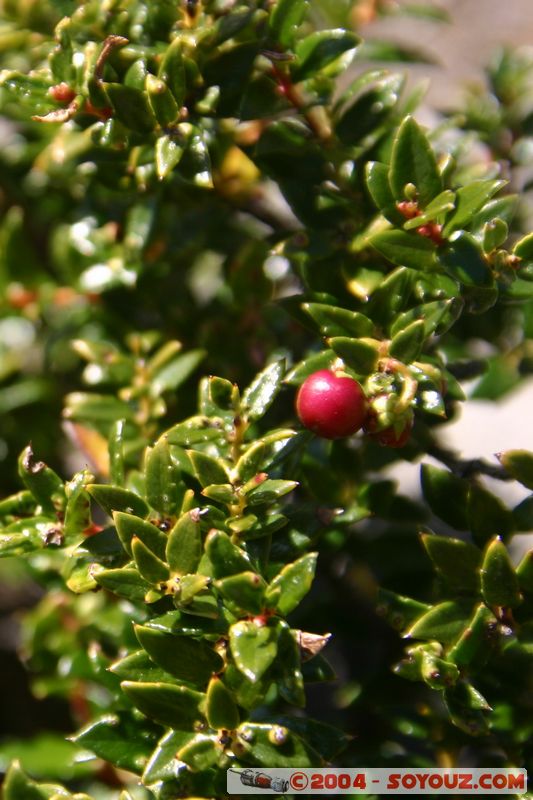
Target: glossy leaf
<point>115,498</point>
<point>289,587</point>
<point>151,568</point>
<point>285,20</point>
<point>175,706</point>
<point>45,485</point>
<point>128,526</point>
<point>487,515</point>
<point>168,154</point>
<point>163,764</point>
<point>377,181</point>
<point>226,558</point>
<point>322,51</point>
<point>259,455</point>
<point>269,491</point>
<point>201,752</point>
<point>124,582</point>
<point>253,647</point>
<point>272,745</point>
<point>221,710</point>
<point>474,643</point>
<point>499,583</point>
<point>131,107</point>
<point>184,545</point>
<point>359,354</point>
<point>405,249</point>
<point>335,321</point>
<point>261,392</point>
<point>208,469</point>
<point>519,464</point>
<point>469,200</point>
<point>442,623</point>
<point>413,161</point>
<point>437,316</point>
<point>163,489</point>
<point>407,344</point>
<point>138,666</point>
<point>245,591</point>
<point>188,659</point>
<point>399,611</point>
<point>464,260</point>
<point>116,738</point>
<point>78,506</point>
<point>446,495</point>
<point>457,562</point>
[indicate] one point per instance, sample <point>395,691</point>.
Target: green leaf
<point>18,786</point>
<point>18,505</point>
<point>226,558</point>
<point>172,69</point>
<point>499,583</point>
<point>438,316</point>
<point>208,469</point>
<point>221,708</point>
<point>377,181</point>
<point>273,745</point>
<point>464,260</point>
<point>175,706</point>
<point>523,514</point>
<point>446,495</point>
<point>321,51</point>
<point>78,507</point>
<point>183,657</point>
<point>151,568</point>
<point>405,248</point>
<point>469,200</point>
<point>118,739</point>
<point>253,647</point>
<point>163,764</point>
<point>524,247</point>
<point>170,375</point>
<point>289,587</point>
<point>399,611</point>
<point>245,591</point>
<point>259,455</point>
<point>313,363</point>
<point>161,100</point>
<point>260,393</point>
<point>285,19</point>
<point>407,344</point>
<point>168,154</point>
<point>220,493</point>
<point>433,211</point>
<point>288,670</point>
<point>184,545</point>
<point>162,481</point>
<point>442,623</point>
<point>116,452</point>
<point>495,234</point>
<point>475,641</point>
<point>195,430</point>
<point>269,491</point>
<point>96,408</point>
<point>470,719</point>
<point>413,161</point>
<point>487,515</point>
<point>131,107</point>
<point>457,562</point>
<point>335,321</point>
<point>359,354</point>
<point>202,752</point>
<point>391,295</point>
<point>519,464</point>
<point>524,572</point>
<point>138,666</point>
<point>124,582</point>
<point>128,526</point>
<point>45,485</point>
<point>27,535</point>
<point>115,498</point>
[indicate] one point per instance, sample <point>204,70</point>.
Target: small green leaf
<point>474,642</point>
<point>495,234</point>
<point>226,558</point>
<point>175,706</point>
<point>359,354</point>
<point>220,493</point>
<point>524,248</point>
<point>407,344</point>
<point>469,200</point>
<point>184,545</point>
<point>115,498</point>
<point>124,582</point>
<point>115,738</point>
<point>18,786</point>
<point>45,485</point>
<point>321,51</point>
<point>172,69</point>
<point>399,611</point>
<point>259,455</point>
<point>254,648</point>
<point>303,369</point>
<point>260,393</point>
<point>96,408</point>
<point>162,481</point>
<point>438,316</point>
<point>438,673</point>
<point>487,515</point>
<point>459,703</point>
<point>285,19</point>
<point>406,249</point>
<point>78,507</point>
<point>138,666</point>
<point>269,491</point>
<point>128,526</point>
<point>433,211</point>
<point>413,161</point>
<point>519,464</point>
<point>183,657</point>
<point>151,568</point>
<point>170,375</point>
<point>335,321</point>
<point>442,623</point>
<point>465,261</point>
<point>195,430</point>
<point>161,100</point>
<point>208,469</point>
<point>116,452</point>
<point>202,752</point>
<point>446,495</point>
<point>457,562</point>
<point>499,583</point>
<point>288,670</point>
<point>377,181</point>
<point>524,572</point>
<point>391,295</point>
<point>163,764</point>
<point>274,745</point>
<point>131,107</point>
<point>168,153</point>
<point>18,505</point>
<point>221,708</point>
<point>245,591</point>
<point>289,587</point>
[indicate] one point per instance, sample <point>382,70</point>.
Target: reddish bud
<point>62,93</point>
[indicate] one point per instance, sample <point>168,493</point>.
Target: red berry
<point>332,406</point>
